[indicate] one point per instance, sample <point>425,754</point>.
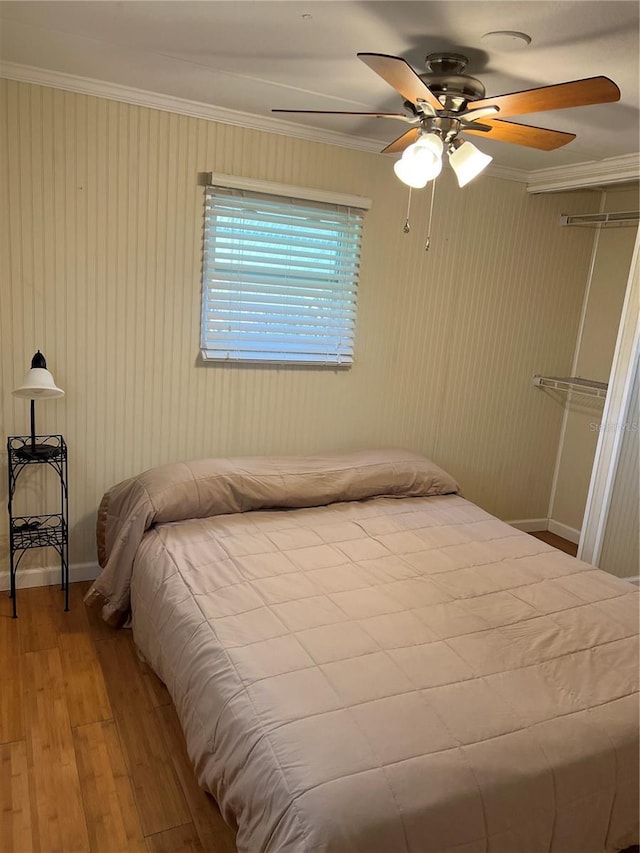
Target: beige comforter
<point>390,674</point>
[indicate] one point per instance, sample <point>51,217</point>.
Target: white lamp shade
<point>431,165</point>
<point>431,142</point>
<point>38,383</point>
<point>420,162</point>
<point>409,175</point>
<point>467,162</point>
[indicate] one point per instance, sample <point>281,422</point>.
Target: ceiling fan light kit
<point>421,162</point>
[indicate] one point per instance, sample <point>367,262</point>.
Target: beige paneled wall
<point>612,259</point>
<point>100,242</point>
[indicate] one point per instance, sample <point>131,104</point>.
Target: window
<point>280,276</point>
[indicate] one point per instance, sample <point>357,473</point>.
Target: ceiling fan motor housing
<point>445,78</point>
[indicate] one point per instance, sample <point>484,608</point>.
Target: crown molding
<point>182,106</point>
<point>197,109</point>
<point>613,170</point>
<point>610,171</point>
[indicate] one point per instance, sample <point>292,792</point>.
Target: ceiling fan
<point>445,102</point>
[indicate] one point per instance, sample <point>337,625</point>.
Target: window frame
<point>299,197</point>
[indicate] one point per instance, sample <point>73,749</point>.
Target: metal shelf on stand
<point>48,530</point>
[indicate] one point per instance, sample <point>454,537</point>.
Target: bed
<point>363,660</point>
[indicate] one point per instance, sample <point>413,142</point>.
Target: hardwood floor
<point>557,542</point>
<point>92,757</point>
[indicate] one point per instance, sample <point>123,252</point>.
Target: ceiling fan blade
<point>576,93</point>
<point>523,134</point>
<point>400,116</point>
<point>402,142</point>
<point>399,74</point>
<point>475,115</point>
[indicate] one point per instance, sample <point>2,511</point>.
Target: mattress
<point>401,672</point>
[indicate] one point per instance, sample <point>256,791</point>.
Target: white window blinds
<point>280,277</point>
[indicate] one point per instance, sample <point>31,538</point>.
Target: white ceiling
<point>252,55</point>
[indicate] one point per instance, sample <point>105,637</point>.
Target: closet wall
<point>604,296</point>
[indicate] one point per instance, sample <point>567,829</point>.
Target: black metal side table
<point>50,530</point>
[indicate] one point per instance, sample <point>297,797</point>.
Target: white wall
<point>100,240</point>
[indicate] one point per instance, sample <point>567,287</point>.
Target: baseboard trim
<point>569,533</point>
<point>530,525</point>
<point>49,575</point>
<point>635,580</point>
<point>535,525</point>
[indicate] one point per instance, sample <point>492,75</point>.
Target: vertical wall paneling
<point>101,236</point>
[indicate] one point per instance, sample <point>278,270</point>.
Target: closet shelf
<point>588,387</point>
<point>602,220</point>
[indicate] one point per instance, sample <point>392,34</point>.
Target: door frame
<point>615,413</point>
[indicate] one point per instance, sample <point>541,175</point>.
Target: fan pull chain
<point>407,227</point>
<point>427,244</point>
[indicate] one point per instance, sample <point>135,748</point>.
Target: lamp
<point>38,384</point>
<point>420,162</point>
<point>467,161</point>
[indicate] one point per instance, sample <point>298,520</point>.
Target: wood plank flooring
<point>92,757</point>
<point>557,541</point>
